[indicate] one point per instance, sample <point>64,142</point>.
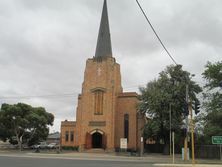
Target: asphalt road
<point>13,161</point>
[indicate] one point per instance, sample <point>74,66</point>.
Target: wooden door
<point>88,141</point>
<point>104,141</point>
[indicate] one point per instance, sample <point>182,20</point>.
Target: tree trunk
<point>21,143</point>
<point>19,140</point>
<point>166,150</point>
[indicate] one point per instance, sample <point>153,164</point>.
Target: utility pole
<point>192,132</point>
<point>185,139</point>
<point>170,131</point>
<point>141,146</point>
<point>173,147</point>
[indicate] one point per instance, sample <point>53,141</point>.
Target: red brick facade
<point>107,121</point>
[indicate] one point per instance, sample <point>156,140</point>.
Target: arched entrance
<point>97,140</point>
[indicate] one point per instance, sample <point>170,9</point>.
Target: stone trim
<point>97,123</point>
<point>98,88</point>
<point>127,94</point>
<point>98,131</point>
<point>68,123</point>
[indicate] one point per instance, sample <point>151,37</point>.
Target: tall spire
<point>104,48</point>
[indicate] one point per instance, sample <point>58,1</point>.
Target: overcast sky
<point>44,45</point>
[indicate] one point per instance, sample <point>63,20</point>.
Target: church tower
<point>104,113</point>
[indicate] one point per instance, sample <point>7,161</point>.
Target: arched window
<point>72,136</point>
<point>98,99</point>
<point>126,126</point>
<point>67,136</point>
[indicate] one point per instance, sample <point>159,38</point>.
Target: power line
<point>156,33</point>
<point>38,96</point>
<point>64,95</point>
<point>47,96</point>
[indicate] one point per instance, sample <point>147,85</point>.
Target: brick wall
<point>68,126</point>
<point>126,104</point>
<point>105,77</point>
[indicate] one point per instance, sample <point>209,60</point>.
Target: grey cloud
<point>44,44</point>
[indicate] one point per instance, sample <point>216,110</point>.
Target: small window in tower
<point>98,102</point>
<point>67,136</point>
<point>126,126</point>
<point>71,136</point>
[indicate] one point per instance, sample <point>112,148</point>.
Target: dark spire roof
<point>104,48</point>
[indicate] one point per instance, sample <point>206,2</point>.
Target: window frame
<point>126,126</point>
<point>98,102</point>
<point>67,136</point>
<point>72,136</point>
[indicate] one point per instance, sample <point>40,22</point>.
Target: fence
<point>201,151</point>
<point>160,148</point>
<point>207,151</point>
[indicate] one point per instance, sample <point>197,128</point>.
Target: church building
<point>105,113</point>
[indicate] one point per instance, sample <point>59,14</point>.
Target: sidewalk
<point>156,159</point>
<point>187,165</point>
<point>151,158</point>
<point>181,163</point>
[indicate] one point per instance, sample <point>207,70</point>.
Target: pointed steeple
<point>104,48</point>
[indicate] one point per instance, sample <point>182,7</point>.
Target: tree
<point>213,101</point>
<point>213,75</point>
<point>24,123</point>
<point>165,93</point>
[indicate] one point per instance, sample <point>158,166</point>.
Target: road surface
<point>35,161</point>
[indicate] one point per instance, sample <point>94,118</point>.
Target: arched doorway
<point>97,141</point>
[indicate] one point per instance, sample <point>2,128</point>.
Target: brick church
<point>105,113</point>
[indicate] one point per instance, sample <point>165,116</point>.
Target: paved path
<point>187,165</point>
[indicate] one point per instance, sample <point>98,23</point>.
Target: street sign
<point>141,139</point>
<point>216,139</point>
<point>123,143</point>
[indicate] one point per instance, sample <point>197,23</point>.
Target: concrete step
<point>95,150</point>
